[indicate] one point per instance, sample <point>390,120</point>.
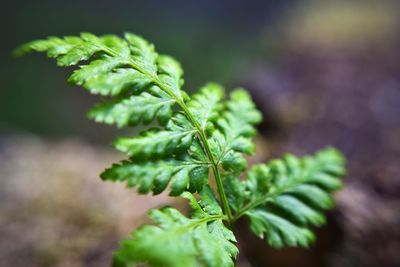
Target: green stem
<point>249,206</point>
<point>203,138</point>
<point>259,202</point>
<point>217,176</point>
<point>221,191</point>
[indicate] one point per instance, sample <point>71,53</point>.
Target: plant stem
<point>202,135</point>
<point>221,191</point>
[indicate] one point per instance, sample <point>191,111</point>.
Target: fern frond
<point>285,197</point>
<point>132,110</point>
<point>194,137</point>
<point>143,86</point>
<point>176,241</point>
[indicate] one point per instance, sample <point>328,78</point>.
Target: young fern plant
<point>200,137</point>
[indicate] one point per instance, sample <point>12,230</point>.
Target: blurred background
<point>322,72</point>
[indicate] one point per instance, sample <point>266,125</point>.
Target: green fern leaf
<point>133,110</point>
<point>206,105</point>
<point>282,199</point>
<point>170,73</point>
<point>177,137</point>
<point>202,240</point>
<point>143,53</point>
<point>185,172</point>
<point>236,191</point>
<point>279,231</point>
<point>235,130</point>
<point>115,82</point>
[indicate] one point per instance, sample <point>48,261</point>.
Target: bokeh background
<point>323,73</point>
